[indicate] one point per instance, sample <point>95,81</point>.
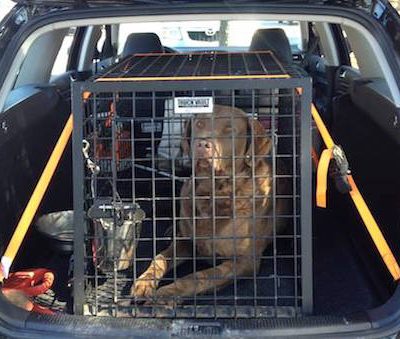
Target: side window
<point>105,49</point>
<point>61,62</point>
<point>100,46</point>
<point>353,58</point>
<point>49,53</point>
<point>313,43</point>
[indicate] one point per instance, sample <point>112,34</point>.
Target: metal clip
<point>91,165</point>
<point>107,209</point>
<point>339,169</point>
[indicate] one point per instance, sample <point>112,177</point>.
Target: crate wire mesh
<point>164,190</point>
<point>159,66</point>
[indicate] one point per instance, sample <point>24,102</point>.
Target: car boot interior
<point>348,275</point>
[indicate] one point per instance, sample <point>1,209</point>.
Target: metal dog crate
<point>134,120</point>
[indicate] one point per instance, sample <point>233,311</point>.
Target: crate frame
<point>80,89</point>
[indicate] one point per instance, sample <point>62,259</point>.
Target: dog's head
<point>216,141</point>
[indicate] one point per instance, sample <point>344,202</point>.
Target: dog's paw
<point>144,286</point>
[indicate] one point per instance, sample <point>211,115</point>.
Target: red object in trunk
<point>28,283</point>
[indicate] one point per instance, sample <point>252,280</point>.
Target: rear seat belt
<point>346,184</point>
<point>35,200</point>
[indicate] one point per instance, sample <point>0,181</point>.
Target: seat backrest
<point>142,43</point>
<point>275,40</point>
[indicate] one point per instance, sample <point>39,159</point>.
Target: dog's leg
<point>147,283</point>
<point>206,280</point>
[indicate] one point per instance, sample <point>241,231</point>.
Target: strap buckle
<point>339,169</point>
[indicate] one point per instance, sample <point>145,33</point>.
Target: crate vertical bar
<point>79,222</point>
<point>306,198</point>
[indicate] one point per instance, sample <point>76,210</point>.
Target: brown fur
<point>245,238</point>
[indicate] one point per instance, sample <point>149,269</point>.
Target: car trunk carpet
<point>341,285</point>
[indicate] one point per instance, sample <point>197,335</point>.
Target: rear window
<point>229,35</point>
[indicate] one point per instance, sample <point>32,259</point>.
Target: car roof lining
<point>380,59</point>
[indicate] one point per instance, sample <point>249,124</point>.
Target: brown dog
<point>229,217</point>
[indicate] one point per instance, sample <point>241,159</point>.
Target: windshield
<point>232,35</point>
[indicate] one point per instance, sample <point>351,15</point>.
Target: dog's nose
<point>204,144</point>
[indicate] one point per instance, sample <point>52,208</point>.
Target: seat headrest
<point>275,40</point>
<point>142,43</point>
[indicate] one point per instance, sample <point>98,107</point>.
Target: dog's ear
<point>185,142</point>
<point>257,140</point>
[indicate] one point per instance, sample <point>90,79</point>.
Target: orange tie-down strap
<point>35,200</point>
<point>322,177</point>
<point>362,208</point>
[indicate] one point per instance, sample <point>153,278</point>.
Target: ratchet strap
<point>346,184</point>
<point>35,200</point>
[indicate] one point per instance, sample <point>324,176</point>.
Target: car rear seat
<point>142,43</point>
<point>276,41</point>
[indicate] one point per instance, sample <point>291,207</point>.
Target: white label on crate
<point>149,127</point>
<point>193,105</point>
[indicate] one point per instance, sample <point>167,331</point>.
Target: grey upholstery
<point>275,40</point>
<point>142,43</point>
